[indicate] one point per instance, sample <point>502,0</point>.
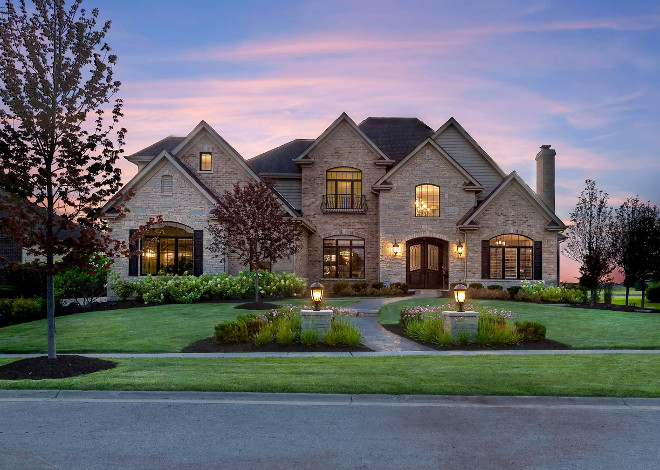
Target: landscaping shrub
<point>653,293</point>
<point>264,336</point>
<point>21,310</point>
<point>83,284</point>
<point>576,295</point>
<point>476,285</point>
<point>513,290</point>
<point>285,335</point>
<point>401,286</point>
<point>360,286</point>
<point>490,294</point>
<point>183,289</point>
<point>340,286</point>
<point>552,294</point>
<point>607,293</point>
<point>495,287</point>
<point>310,337</point>
<point>532,289</point>
<point>377,285</point>
<point>231,332</point>
<point>123,289</point>
<point>25,281</point>
<point>151,289</point>
<point>531,331</point>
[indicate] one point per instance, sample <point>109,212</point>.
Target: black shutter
<point>485,259</point>
<point>538,259</point>
<point>133,260</point>
<point>198,252</point>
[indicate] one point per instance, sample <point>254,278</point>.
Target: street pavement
<point>166,430</point>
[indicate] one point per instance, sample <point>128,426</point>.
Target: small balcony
<point>344,203</point>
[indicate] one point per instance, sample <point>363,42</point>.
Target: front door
<point>425,263</point>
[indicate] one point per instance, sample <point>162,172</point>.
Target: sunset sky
<point>581,75</point>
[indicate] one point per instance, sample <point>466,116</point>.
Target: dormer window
<point>205,161</point>
<point>427,200</point>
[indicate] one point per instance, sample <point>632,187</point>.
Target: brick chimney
<point>545,176</point>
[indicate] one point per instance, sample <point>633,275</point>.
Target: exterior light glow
<point>459,249</point>
<point>316,291</point>
<point>396,249</point>
<point>459,296</point>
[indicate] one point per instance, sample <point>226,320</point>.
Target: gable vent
<point>166,185</point>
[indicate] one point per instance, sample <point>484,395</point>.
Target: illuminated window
<point>205,161</point>
<point>343,188</point>
<point>343,257</point>
<point>427,200</point>
<point>511,257</point>
<point>171,253</point>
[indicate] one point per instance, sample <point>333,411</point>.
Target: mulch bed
<point>209,345</point>
<point>63,366</point>
<point>539,345</point>
<point>258,306</point>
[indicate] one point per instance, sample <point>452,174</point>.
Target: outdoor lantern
<point>316,291</point>
<point>396,249</point>
<point>459,249</point>
<point>459,296</point>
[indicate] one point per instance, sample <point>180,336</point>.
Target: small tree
<point>589,238</point>
<point>636,242</point>
<point>252,224</point>
<point>56,166</point>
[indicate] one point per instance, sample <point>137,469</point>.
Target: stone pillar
<point>545,176</point>
<point>461,321</point>
<point>315,320</point>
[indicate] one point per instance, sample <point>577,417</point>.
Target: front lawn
<point>160,328</point>
<point>580,328</point>
<point>618,375</point>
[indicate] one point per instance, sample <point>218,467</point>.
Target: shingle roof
<point>396,137</point>
<point>280,159</point>
<point>168,143</point>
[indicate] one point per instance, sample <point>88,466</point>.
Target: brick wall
<point>343,147</point>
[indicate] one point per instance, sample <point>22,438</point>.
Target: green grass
<point>161,328</point>
<point>578,327</point>
<point>616,300</point>
<point>622,375</point>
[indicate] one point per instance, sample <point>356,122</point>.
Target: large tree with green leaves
<point>59,132</point>
<point>637,242</point>
<point>589,237</point>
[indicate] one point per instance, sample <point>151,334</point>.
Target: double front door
<point>426,262</point>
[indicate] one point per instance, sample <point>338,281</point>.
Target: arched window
<point>343,257</point>
<point>343,189</point>
<point>172,253</point>
<point>427,200</point>
<point>511,257</point>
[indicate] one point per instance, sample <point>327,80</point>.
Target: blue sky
<point>580,75</point>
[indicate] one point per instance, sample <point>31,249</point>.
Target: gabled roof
<point>396,137</point>
<point>222,143</point>
<point>280,159</point>
<point>472,184</point>
<point>554,222</point>
<point>453,122</point>
<point>146,173</point>
<point>168,144</point>
<point>342,118</point>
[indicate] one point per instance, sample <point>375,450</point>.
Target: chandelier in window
<point>421,207</point>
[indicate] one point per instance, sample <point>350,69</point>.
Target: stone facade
<point>343,147</point>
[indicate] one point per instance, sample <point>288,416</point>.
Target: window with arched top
<point>343,257</point>
<point>511,257</point>
<point>170,252</point>
<point>427,200</point>
<point>343,189</point>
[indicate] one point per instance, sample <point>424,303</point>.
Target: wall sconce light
<point>459,249</point>
<point>459,296</point>
<point>316,291</point>
<point>396,249</point>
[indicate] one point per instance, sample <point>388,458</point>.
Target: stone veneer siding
<point>344,147</point>
<point>512,212</point>
<point>397,212</point>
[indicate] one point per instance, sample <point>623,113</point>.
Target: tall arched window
<point>172,253</point>
<point>511,257</point>
<point>343,189</point>
<point>427,200</point>
<point>343,257</point>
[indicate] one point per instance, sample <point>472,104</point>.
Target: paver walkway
<point>378,338</point>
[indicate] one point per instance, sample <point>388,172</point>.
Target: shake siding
<point>469,158</point>
<point>291,190</point>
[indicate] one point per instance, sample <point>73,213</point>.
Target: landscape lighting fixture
<point>396,249</point>
<point>459,249</point>
<point>316,291</point>
<point>459,296</point>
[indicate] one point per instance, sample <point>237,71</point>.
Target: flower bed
<point>280,330</point>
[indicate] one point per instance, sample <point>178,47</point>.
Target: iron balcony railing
<point>344,203</point>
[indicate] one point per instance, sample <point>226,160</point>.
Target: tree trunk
<point>643,293</point>
<point>593,296</point>
<point>50,314</point>
<point>256,283</point>
<point>627,289</point>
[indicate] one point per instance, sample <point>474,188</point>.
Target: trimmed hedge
<point>531,331</point>
<point>20,310</point>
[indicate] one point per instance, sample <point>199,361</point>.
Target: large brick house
<point>387,200</point>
